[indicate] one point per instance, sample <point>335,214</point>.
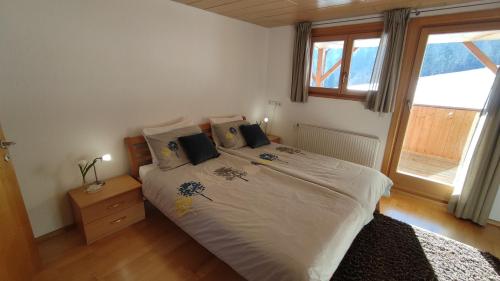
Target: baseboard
<point>54,233</point>
<point>420,196</point>
<point>494,222</point>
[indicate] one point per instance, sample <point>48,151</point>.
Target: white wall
<point>78,76</point>
<point>332,113</point>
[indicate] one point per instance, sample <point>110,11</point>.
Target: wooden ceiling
<point>271,13</point>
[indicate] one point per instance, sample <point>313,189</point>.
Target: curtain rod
<point>415,12</point>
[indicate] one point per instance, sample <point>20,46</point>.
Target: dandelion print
<point>270,157</point>
<point>231,133</point>
<point>192,188</point>
<point>166,152</point>
<point>183,205</point>
<point>229,136</point>
<point>230,174</point>
<point>173,146</point>
<point>289,150</point>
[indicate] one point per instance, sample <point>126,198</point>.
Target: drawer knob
<point>114,205</point>
<point>118,220</point>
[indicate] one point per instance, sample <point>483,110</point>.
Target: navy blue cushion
<point>254,136</point>
<point>199,148</point>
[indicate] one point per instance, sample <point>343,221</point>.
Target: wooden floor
<point>429,167</point>
<point>156,249</point>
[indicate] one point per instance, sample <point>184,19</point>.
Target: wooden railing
<point>439,131</point>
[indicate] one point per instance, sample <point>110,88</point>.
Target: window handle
<point>344,77</point>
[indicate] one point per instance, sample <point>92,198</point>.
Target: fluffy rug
<point>387,249</point>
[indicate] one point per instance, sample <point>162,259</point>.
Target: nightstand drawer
<point>112,223</point>
<point>111,206</point>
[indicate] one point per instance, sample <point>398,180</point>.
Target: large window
<point>342,60</point>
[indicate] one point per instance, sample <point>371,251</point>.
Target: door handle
<point>6,144</point>
<point>408,104</point>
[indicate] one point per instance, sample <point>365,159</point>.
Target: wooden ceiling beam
<point>481,56</point>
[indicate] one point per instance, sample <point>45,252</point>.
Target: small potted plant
<point>85,167</point>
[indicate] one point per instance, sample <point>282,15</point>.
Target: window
<point>342,60</point>
<point>326,64</point>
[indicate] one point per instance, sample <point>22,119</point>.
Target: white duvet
<point>264,224</point>
<point>364,184</point>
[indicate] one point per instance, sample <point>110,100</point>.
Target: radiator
<point>338,144</point>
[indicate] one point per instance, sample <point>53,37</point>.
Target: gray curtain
<point>482,177</point>
<point>385,76</point>
<point>301,62</point>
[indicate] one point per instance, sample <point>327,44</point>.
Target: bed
<point>364,184</point>
<point>265,224</point>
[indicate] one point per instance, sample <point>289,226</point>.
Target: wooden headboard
<point>139,154</point>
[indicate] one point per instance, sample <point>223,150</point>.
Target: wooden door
<point>18,253</point>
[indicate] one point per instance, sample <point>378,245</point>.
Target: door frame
<point>412,59</point>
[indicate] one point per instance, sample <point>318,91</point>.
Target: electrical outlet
<point>275,102</point>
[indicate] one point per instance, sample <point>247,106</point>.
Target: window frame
<point>348,34</point>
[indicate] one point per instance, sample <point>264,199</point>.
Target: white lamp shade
<point>266,119</point>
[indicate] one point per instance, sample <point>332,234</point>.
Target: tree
<point>192,188</point>
<point>289,150</point>
<point>230,173</point>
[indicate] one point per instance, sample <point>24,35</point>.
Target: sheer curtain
<point>385,76</point>
<point>478,179</point>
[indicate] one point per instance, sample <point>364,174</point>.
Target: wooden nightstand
<point>118,205</point>
<point>274,139</point>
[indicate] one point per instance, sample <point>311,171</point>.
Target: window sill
<point>360,98</point>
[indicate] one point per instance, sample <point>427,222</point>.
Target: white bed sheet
<point>266,225</point>
<point>364,184</point>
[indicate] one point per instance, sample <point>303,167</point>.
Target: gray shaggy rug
<point>387,249</point>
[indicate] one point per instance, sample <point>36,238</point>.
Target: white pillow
<point>177,123</point>
<point>220,120</point>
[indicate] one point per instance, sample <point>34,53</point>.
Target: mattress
<point>145,169</point>
<point>266,225</point>
<point>364,184</point>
